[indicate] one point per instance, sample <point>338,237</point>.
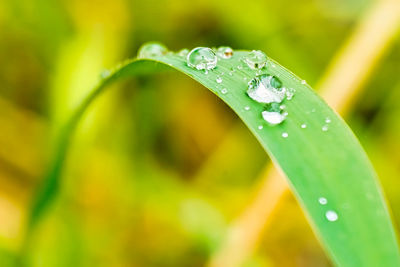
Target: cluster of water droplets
<point>263,88</point>
<point>330,215</point>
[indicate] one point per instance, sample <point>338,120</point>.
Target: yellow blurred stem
<point>340,86</point>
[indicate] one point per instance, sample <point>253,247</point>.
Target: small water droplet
<point>239,67</point>
<point>256,59</point>
<point>290,93</point>
<point>230,73</point>
<point>225,52</point>
<point>322,201</point>
<point>202,58</point>
<point>152,49</point>
<point>260,127</point>
<point>105,73</point>
<point>266,89</point>
<point>285,113</point>
<point>285,135</point>
<point>219,79</point>
<point>328,120</point>
<point>273,65</point>
<point>325,128</point>
<point>205,72</point>
<point>224,91</point>
<point>244,78</point>
<point>303,82</point>
<point>303,126</point>
<point>331,215</point>
<point>183,52</point>
<point>247,108</point>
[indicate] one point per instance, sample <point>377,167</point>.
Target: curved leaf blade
<point>329,164</point>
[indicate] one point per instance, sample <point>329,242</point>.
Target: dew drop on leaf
<point>105,73</point>
<point>225,52</point>
<point>202,58</point>
<point>273,114</point>
<point>152,49</point>
<point>266,89</point>
<point>219,80</point>
<point>322,201</point>
<point>285,135</point>
<point>256,59</point>
<point>331,215</point>
<point>184,52</point>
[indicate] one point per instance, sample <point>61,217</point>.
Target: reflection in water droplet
<point>256,59</point>
<point>322,201</point>
<point>331,215</point>
<point>152,49</point>
<point>225,52</point>
<point>285,135</point>
<point>266,89</point>
<point>202,58</point>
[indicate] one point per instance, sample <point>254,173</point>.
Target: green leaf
<point>330,164</point>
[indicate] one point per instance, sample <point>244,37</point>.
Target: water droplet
<point>290,93</point>
<point>285,135</point>
<point>247,108</point>
<point>183,52</point>
<point>325,128</point>
<point>105,73</point>
<point>202,58</point>
<point>322,201</point>
<point>331,215</point>
<point>266,89</point>
<point>224,91</point>
<point>303,82</point>
<point>225,52</point>
<point>303,126</point>
<point>239,67</point>
<point>273,118</point>
<point>285,113</point>
<point>152,49</point>
<point>328,120</point>
<point>256,59</point>
<point>260,127</point>
<point>219,79</point>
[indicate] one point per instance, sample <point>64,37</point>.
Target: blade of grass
<point>318,163</point>
<point>340,86</point>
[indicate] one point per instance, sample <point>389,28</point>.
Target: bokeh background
<point>160,169</point>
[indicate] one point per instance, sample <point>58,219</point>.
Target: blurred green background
<point>160,168</point>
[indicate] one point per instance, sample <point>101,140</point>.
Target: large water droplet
<point>331,215</point>
<point>256,59</point>
<point>202,58</point>
<point>262,89</point>
<point>152,49</point>
<point>273,114</point>
<point>225,52</point>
